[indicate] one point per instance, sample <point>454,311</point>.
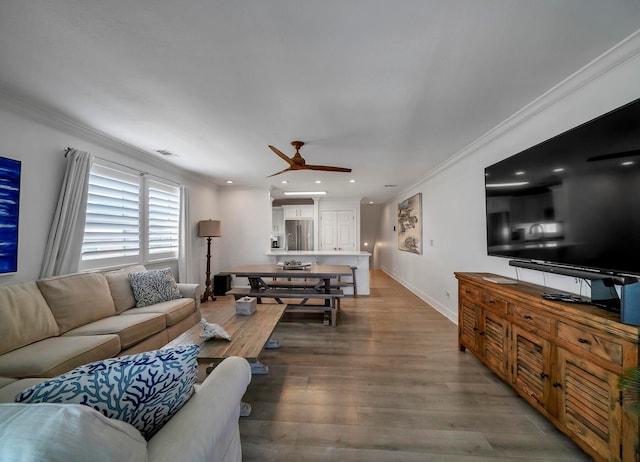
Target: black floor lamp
<point>208,229</point>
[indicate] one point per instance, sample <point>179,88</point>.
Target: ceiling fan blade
<point>327,168</point>
<point>284,157</point>
<point>282,171</point>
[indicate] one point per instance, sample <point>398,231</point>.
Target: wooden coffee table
<point>249,335</point>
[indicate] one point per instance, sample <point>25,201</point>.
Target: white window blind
<point>112,229</point>
<point>130,219</point>
<point>163,220</point>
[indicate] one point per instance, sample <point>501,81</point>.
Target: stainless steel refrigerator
<point>298,234</point>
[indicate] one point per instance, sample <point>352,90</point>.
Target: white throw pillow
<point>66,432</point>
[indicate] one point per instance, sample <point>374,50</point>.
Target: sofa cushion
<point>120,287</point>
<point>154,286</point>
<point>9,391</point>
<point>53,356</point>
<point>131,329</point>
<point>25,316</point>
<point>144,390</point>
<point>155,342</point>
<point>66,433</point>
<point>77,299</point>
<point>174,311</point>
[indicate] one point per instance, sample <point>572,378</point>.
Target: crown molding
<point>617,56</point>
<point>54,119</point>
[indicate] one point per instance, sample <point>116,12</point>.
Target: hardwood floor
<point>388,384</point>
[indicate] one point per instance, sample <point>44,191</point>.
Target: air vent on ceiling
<point>390,185</point>
<point>166,153</point>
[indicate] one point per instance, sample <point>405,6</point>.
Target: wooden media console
<point>564,359</point>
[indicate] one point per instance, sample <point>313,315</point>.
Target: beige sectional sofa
<point>205,429</point>
<point>50,326</point>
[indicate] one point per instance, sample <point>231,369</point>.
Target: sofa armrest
<point>198,430</point>
<point>191,291</point>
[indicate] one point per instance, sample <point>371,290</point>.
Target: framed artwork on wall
<point>410,224</point>
<point>9,214</point>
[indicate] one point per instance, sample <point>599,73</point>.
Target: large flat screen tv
<point>572,201</point>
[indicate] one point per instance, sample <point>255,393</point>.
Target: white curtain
<point>64,245</point>
<point>185,270</point>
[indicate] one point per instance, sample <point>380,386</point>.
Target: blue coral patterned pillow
<point>145,390</point>
<point>154,286</point>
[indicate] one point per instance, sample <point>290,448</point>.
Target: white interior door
<point>328,230</point>
<point>337,230</point>
<point>346,226</point>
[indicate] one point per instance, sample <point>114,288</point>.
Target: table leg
<point>245,409</point>
<point>256,283</point>
<point>258,368</point>
<point>327,290</point>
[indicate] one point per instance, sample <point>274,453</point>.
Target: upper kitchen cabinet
<point>277,220</point>
<point>298,212</point>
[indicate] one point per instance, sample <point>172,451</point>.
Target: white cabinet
<point>277,220</point>
<point>298,212</point>
<point>337,230</point>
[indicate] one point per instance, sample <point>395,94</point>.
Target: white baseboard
<point>445,311</point>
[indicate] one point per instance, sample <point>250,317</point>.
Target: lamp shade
<point>209,228</point>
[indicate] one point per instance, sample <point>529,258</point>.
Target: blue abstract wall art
<point>9,214</point>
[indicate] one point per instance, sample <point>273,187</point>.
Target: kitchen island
<point>359,259</point>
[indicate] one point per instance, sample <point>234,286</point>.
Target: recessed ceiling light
<point>229,181</point>
<point>520,172</point>
<point>352,181</point>
<point>305,193</point>
<point>558,170</point>
<point>284,181</point>
<point>318,181</point>
<point>370,202</point>
<point>627,163</point>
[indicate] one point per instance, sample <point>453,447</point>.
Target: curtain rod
<point>67,149</point>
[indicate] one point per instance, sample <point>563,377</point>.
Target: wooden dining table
<point>323,274</point>
<point>257,273</point>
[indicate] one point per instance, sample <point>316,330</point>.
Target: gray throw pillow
<point>154,286</point>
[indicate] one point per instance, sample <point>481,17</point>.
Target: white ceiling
<point>388,88</point>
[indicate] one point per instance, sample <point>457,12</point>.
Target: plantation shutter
<point>163,220</point>
<point>112,229</point>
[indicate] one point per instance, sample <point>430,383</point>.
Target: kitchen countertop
<point>333,253</point>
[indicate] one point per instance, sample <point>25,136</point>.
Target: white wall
<point>38,140</point>
<point>246,227</point>
<point>453,195</point>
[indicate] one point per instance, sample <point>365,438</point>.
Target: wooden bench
<point>303,293</point>
<point>313,283</point>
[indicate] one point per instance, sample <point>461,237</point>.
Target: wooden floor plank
<point>387,384</point>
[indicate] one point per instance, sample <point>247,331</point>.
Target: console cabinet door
<point>469,327</point>
<point>531,372</point>
<point>589,404</point>
<point>495,343</point>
